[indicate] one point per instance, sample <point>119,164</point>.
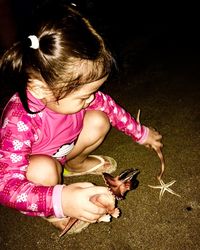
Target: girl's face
<point>76,100</point>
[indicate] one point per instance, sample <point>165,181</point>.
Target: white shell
<point>105,218</point>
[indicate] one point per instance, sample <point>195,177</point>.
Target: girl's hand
<point>153,140</point>
<point>76,201</point>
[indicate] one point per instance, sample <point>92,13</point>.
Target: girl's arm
<point>18,132</point>
<point>119,118</point>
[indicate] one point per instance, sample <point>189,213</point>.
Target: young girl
<point>57,118</point>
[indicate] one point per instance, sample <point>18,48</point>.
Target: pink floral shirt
<point>23,134</point>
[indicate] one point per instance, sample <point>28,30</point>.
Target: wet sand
<point>161,79</point>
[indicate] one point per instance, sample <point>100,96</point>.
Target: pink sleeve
<point>119,118</point>
<point>18,132</point>
<point>57,201</point>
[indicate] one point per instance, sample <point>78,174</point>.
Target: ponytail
<point>64,51</point>
<point>13,77</point>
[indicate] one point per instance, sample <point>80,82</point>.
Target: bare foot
<point>58,223</point>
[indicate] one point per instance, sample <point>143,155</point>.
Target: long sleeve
<point>119,118</point>
<point>18,132</point>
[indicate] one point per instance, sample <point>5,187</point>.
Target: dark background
<point>157,51</point>
<point>117,20</point>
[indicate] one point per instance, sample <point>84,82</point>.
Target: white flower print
<point>27,142</point>
<point>124,119</point>
<point>104,98</point>
<point>41,214</point>
<point>23,168</point>
<point>115,110</point>
<point>15,158</point>
<point>18,176</point>
<point>32,115</point>
<point>1,156</point>
<point>5,123</point>
<point>22,197</point>
<point>111,103</point>
<point>21,126</point>
<point>33,207</point>
<point>17,144</point>
<point>36,137</point>
<point>102,108</point>
<point>64,150</point>
<point>130,126</point>
<point>13,98</point>
<point>40,114</point>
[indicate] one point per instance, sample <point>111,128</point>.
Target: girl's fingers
<point>82,184</point>
<point>95,209</point>
<point>155,145</point>
<point>89,217</point>
<point>97,190</point>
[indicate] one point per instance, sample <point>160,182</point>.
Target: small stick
<point>158,151</point>
<point>71,222</point>
<point>138,116</point>
<point>160,155</point>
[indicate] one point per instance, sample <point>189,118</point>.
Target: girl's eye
<point>85,98</point>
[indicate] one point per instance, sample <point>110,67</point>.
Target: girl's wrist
<point>143,139</point>
<point>57,201</point>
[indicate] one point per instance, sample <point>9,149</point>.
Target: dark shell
<point>122,183</point>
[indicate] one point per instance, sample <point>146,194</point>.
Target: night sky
<point>146,30</point>
<point>123,18</point>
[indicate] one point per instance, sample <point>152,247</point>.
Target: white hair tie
<point>34,42</point>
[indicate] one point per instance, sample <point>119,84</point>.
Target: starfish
<point>165,187</point>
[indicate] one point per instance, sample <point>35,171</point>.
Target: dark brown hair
<point>71,53</point>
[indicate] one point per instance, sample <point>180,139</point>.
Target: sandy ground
<point>162,81</point>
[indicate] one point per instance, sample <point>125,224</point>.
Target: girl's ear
<point>38,88</point>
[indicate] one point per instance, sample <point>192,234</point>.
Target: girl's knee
<point>97,121</point>
<point>44,170</point>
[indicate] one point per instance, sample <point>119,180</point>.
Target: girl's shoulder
<point>14,111</point>
<point>13,105</point>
